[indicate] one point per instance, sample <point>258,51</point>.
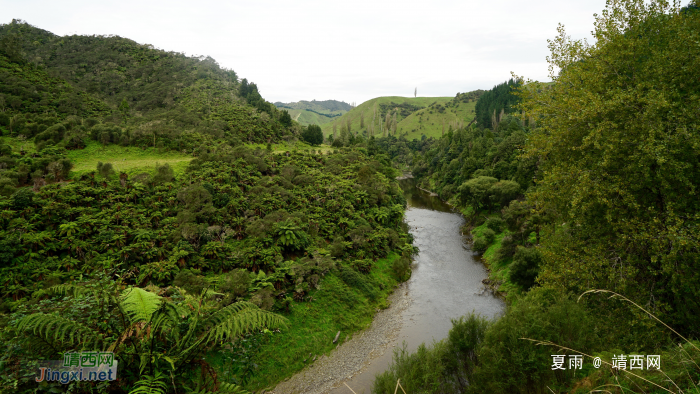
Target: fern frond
<point>151,385</point>
<point>239,318</point>
<point>54,328</point>
<point>139,304</point>
<point>229,388</point>
<point>224,388</point>
<point>67,289</point>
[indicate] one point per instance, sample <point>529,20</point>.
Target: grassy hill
<point>315,112</point>
<point>414,116</point>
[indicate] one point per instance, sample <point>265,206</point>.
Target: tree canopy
<point>618,142</point>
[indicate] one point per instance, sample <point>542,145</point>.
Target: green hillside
<point>414,116</point>
<point>315,112</point>
<point>306,117</point>
<point>150,94</point>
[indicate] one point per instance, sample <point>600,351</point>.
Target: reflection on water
<point>445,284</point>
<point>421,199</point>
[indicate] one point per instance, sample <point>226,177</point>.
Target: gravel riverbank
<point>354,355</point>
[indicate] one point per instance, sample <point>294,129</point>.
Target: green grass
<point>131,160</point>
<point>299,146</point>
<point>498,270</point>
<point>424,122</point>
<point>16,144</point>
<point>305,117</point>
<point>367,108</point>
<point>313,325</point>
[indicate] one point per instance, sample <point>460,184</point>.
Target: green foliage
<point>190,281</point>
<point>619,180</point>
<point>480,244</point>
<point>541,315</point>
<point>150,335</point>
<point>525,267</point>
<point>500,99</point>
<point>106,170</point>
<point>313,134</point>
<point>402,268</point>
<point>446,366</point>
<point>495,224</point>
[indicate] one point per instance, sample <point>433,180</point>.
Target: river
<point>445,284</point>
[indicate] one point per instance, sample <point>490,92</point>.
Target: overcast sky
<point>348,51</point>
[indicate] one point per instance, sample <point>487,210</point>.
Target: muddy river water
<point>445,284</point>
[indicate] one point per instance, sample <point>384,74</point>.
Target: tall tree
<point>616,140</point>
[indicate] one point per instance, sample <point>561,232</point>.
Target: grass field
<point>428,121</point>
<point>131,160</point>
<point>305,117</point>
<point>17,145</point>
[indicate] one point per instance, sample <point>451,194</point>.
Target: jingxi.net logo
<point>79,366</point>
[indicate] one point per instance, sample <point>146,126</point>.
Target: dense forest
<point>227,275</point>
<point>581,194</point>
<point>161,267</point>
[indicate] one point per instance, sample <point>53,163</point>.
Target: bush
<point>445,367</point>
<point>190,281</point>
<point>489,235</point>
<point>402,268</point>
<point>313,135</point>
<point>263,299</point>
<point>525,267</point>
<point>480,244</point>
<point>361,282</point>
<point>510,364</point>
<point>495,224</point>
<point>235,284</point>
<point>507,249</point>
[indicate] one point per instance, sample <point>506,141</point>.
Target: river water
<point>445,284</point>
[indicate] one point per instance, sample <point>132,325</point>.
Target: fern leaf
<point>224,388</point>
<point>151,384</point>
<point>53,328</point>
<point>139,304</point>
<point>240,318</point>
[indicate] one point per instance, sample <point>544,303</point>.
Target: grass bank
<point>343,302</point>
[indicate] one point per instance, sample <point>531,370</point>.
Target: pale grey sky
<point>348,51</point>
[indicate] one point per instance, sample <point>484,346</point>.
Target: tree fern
<point>53,328</point>
<point>239,318</point>
<point>139,304</point>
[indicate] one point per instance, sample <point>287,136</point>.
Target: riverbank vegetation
<point>585,183</point>
<point>153,205</point>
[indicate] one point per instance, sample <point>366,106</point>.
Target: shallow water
<point>445,284</point>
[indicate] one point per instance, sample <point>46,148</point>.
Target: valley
<point>155,207</point>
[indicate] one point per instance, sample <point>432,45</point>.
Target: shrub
<point>495,224</point>
<point>190,281</point>
<point>480,244</point>
<point>489,235</point>
<point>525,267</point>
<point>507,249</point>
<point>263,299</point>
<point>312,134</point>
<point>361,282</point>
<point>509,364</point>
<point>235,284</point>
<point>402,268</point>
